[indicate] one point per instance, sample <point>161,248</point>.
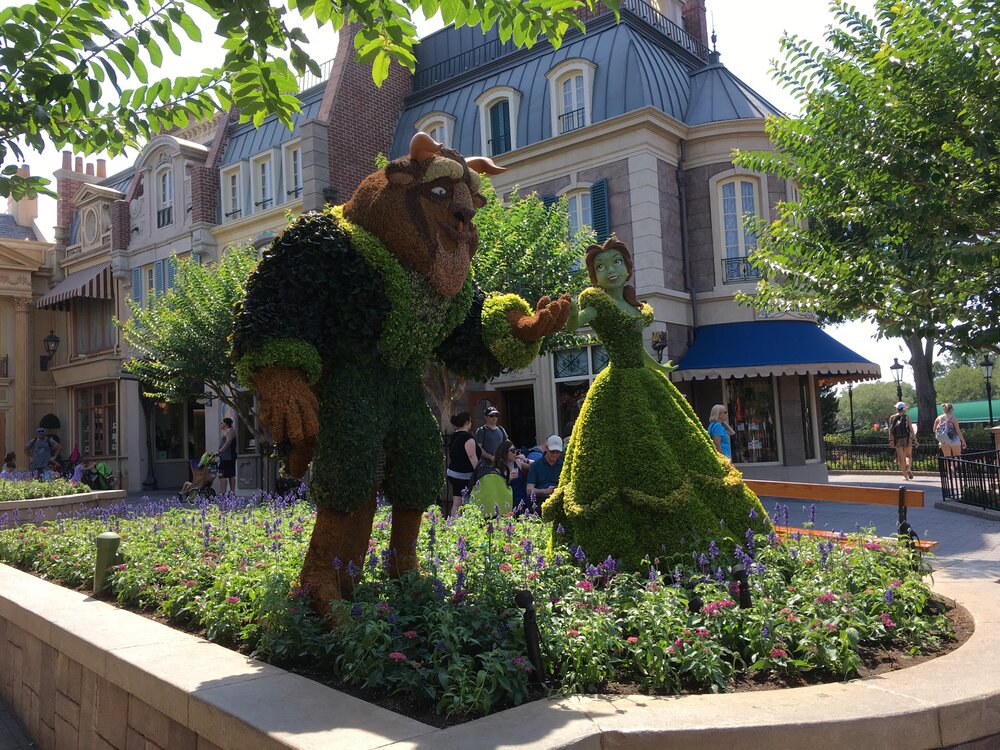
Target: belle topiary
<point>640,472</point>
<point>340,318</point>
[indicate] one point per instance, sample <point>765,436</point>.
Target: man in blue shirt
<point>543,476</point>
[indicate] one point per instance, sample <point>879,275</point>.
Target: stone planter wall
<point>14,512</point>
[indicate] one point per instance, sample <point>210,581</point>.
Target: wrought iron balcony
<point>739,271</point>
<point>500,144</point>
<point>164,217</point>
<point>572,121</point>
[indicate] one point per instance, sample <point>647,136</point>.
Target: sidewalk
<point>969,546</point>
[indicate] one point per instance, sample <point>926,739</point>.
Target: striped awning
<point>95,282</point>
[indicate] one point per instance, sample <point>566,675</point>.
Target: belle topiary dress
<point>640,472</point>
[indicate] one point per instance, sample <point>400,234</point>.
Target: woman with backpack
<point>903,438</point>
<point>948,433</point>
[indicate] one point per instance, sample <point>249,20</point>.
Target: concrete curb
<point>235,702</point>
<point>48,508</point>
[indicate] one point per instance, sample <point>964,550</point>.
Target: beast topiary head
<point>421,207</point>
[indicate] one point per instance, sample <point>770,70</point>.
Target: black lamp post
<point>51,344</point>
<point>850,402</point>
<point>987,367</point>
<point>897,375</point>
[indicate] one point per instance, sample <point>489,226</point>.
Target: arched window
<point>571,85</point>
<point>164,197</point>
<point>439,126</point>
<point>580,213</point>
<point>498,108</point>
<point>736,202</point>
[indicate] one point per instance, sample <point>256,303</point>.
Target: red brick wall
<point>695,20</point>
<point>121,225</point>
<point>204,193</point>
<point>66,190</point>
<point>362,117</point>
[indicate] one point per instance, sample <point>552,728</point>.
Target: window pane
<point>571,363</point>
<point>573,205</point>
<point>749,210</point>
<point>730,220</point>
<point>168,421</point>
<point>569,399</point>
<point>585,212</point>
<point>599,357</point>
<point>500,128</point>
<point>751,413</point>
<point>578,86</point>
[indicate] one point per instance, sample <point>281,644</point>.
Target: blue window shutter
<point>500,128</point>
<point>158,276</point>
<point>599,209</point>
<point>171,271</point>
<point>549,200</point>
<point>196,257</point>
<point>137,285</point>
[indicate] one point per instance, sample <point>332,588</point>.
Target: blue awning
<point>762,348</point>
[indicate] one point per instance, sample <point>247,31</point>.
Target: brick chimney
<point>696,20</point>
<point>361,117</point>
<point>25,210</point>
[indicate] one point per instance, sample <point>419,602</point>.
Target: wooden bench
<point>902,498</point>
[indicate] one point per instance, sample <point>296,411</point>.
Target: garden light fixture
<point>51,344</point>
<point>987,367</point>
<point>897,375</point>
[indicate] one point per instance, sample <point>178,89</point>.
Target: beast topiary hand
<point>288,408</point>
<point>550,316</point>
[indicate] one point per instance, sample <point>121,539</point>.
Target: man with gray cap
<point>543,476</point>
<point>41,449</point>
<point>903,439</point>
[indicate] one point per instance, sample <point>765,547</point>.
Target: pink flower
<point>632,639</point>
<point>826,598</point>
<point>888,623</point>
<point>121,566</point>
<point>585,585</point>
<point>779,653</point>
<point>573,633</point>
<point>233,599</point>
<point>505,567</point>
<point>713,608</point>
<point>703,632</point>
<point>190,582</point>
<point>161,568</point>
<point>532,576</point>
<point>410,634</point>
<point>396,656</point>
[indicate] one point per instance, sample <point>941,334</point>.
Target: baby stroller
<point>99,476</point>
<point>203,473</point>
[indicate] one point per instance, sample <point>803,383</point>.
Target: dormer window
<point>439,126</point>
<point>570,86</point>
<point>293,170</point>
<point>164,197</point>
<point>232,194</point>
<point>262,182</point>
<point>498,108</point>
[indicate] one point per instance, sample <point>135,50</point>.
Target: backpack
<point>899,427</point>
<point>941,432</point>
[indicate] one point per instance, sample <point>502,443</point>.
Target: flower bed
<point>23,485</point>
<point>450,639</point>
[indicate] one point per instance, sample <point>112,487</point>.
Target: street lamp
<point>51,344</point>
<point>987,367</point>
<point>897,375</point>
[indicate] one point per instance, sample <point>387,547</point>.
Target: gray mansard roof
<point>637,66</point>
<point>246,140</point>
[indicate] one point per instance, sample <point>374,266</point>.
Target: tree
<point>525,248</point>
<point>896,158</point>
<point>179,343</point>
<point>78,73</point>
<point>961,383</point>
<point>874,403</point>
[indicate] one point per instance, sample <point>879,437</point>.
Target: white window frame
<point>562,72</point>
<point>578,193</point>
<point>261,191</point>
<point>485,102</point>
<point>229,208</point>
<point>715,186</point>
<point>164,187</point>
<point>441,120</point>
<point>292,187</point>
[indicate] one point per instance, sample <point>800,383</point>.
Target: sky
<point>748,37</point>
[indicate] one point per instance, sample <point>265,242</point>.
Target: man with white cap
<point>543,476</point>
<point>903,439</point>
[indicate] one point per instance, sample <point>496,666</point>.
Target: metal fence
<point>973,478</point>
<point>880,457</point>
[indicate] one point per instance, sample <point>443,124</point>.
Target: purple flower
<point>765,632</point>
<point>560,529</point>
<point>713,549</point>
<point>578,553</point>
<point>352,569</point>
<point>702,560</point>
<point>889,596</point>
<point>753,513</point>
<point>609,565</point>
<point>336,563</point>
<point>463,552</point>
<point>812,513</point>
<point>528,546</point>
<point>592,571</point>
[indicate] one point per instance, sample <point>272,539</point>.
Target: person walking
<point>227,457</point>
<point>903,439</point>
<point>720,431</point>
<point>948,433</point>
<point>41,450</point>
<point>490,435</point>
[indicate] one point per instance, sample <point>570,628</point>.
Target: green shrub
<point>30,489</point>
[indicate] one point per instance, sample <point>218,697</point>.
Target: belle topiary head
<point>612,243</point>
<point>421,208</point>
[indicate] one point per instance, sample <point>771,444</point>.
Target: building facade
<point>635,124</point>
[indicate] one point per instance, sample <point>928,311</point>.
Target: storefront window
<point>753,415</point>
<point>808,422</point>
<point>575,370</point>
<point>169,424</point>
<point>96,423</point>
